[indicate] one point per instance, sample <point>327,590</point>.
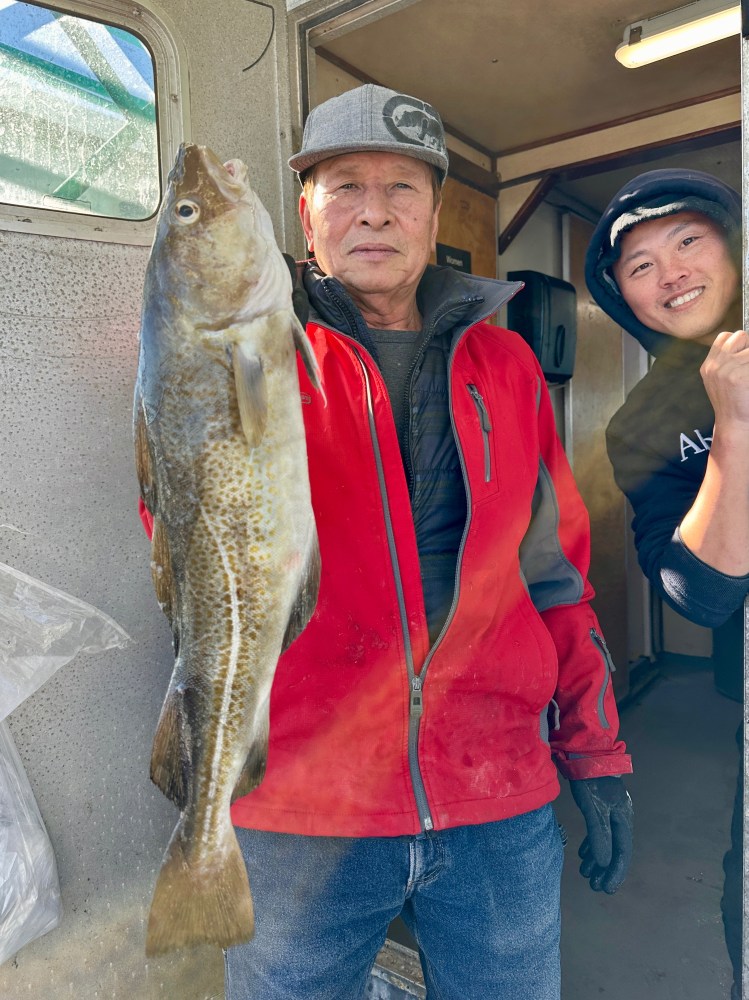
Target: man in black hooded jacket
<point>664,262</point>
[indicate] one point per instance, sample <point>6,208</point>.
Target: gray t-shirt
<point>396,351</point>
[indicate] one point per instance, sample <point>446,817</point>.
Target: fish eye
<point>187,211</point>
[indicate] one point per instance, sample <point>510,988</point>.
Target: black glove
<point>298,296</point>
<point>607,849</point>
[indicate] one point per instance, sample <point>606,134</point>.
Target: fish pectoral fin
<point>252,396</point>
<point>302,344</point>
<point>170,757</point>
<point>306,598</point>
<point>161,564</point>
<point>253,771</point>
<point>143,464</point>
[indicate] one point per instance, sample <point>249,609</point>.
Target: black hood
<point>657,192</point>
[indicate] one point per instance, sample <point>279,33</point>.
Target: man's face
<point>371,222</point>
<point>677,276</point>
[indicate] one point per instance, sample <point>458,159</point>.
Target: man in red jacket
<point>453,658</point>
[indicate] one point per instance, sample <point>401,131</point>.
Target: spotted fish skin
<point>221,460</point>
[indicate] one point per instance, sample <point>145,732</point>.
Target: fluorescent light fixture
<point>678,30</point>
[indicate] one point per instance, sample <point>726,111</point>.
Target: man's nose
<point>673,270</point>
<point>375,209</point>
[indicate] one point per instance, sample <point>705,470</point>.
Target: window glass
<point>77,115</point>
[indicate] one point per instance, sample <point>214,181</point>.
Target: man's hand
<point>298,295</point>
<point>716,527</point>
<point>725,373</point>
<point>607,850</point>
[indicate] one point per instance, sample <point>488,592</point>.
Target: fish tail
<point>201,900</point>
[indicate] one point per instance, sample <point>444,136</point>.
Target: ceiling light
<point>678,31</point>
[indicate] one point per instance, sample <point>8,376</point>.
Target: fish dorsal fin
<point>302,344</point>
<point>252,396</point>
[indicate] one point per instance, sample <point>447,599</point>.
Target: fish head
<point>214,251</point>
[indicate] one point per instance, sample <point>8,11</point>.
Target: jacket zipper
<point>416,681</point>
<point>486,428</point>
<point>416,706</point>
<point>469,513</point>
<point>609,668</point>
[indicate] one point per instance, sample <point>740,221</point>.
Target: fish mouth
<point>684,298</point>
<point>238,170</point>
<point>231,179</point>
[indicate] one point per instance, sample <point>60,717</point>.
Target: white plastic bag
<point>30,903</point>
<point>42,629</point>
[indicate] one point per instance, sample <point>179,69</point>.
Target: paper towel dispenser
<point>544,313</point>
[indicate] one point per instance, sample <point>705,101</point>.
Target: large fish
<point>222,464</point>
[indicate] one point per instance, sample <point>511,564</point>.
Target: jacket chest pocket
<point>500,444</point>
<point>480,451</point>
<point>486,429</point>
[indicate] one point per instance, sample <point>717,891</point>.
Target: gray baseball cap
<point>372,118</point>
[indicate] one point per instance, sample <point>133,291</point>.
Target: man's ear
<point>304,215</point>
<point>436,225</point>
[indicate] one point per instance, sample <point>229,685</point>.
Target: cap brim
<point>302,162</point>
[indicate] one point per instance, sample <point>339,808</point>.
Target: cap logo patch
<point>412,121</point>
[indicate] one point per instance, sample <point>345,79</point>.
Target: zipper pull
<point>481,407</point>
<point>597,637</point>
<point>417,704</point>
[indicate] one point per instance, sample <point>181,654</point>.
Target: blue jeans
<point>482,902</point>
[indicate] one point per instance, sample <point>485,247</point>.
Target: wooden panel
<point>468,221</point>
<point>517,205</point>
<point>598,145</point>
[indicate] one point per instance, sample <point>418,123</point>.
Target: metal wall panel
<point>596,392</point>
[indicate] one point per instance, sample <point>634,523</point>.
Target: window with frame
<point>78,126</point>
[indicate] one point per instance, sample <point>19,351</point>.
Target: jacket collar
<point>447,299</point>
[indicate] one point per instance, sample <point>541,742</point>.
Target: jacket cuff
<point>575,766</point>
<point>702,594</point>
